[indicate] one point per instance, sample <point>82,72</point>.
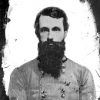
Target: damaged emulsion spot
<point>67,84</point>
<point>76,90</point>
<point>15,40</point>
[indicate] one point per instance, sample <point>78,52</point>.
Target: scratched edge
<point>95,7</point>
<point>4,5</point>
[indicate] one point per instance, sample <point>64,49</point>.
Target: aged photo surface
<point>51,50</point>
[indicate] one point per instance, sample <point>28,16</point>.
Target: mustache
<point>51,46</point>
<point>50,42</point>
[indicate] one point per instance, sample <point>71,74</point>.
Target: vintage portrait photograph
<point>49,50</point>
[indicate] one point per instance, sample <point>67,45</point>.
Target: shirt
<point>75,83</point>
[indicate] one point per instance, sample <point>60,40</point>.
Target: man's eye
<point>44,29</point>
<point>56,29</point>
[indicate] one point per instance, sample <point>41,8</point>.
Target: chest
<point>48,88</point>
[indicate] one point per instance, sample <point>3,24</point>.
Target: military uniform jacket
<point>75,83</point>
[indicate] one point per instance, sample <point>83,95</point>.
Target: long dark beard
<point>50,57</point>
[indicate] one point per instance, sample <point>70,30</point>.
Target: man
<point>51,76</point>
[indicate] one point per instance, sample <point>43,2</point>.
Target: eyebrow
<point>44,29</point>
<point>56,28</point>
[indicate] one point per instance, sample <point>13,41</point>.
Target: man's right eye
<point>44,29</point>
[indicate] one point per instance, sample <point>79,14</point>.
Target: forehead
<point>46,21</point>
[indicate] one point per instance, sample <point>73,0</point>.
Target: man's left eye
<point>56,29</point>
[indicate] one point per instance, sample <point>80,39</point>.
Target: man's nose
<point>50,35</point>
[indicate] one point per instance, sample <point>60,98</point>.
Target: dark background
<point>4,4</point>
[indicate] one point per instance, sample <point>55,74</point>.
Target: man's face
<point>51,28</point>
<point>50,56</point>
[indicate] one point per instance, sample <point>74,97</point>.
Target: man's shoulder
<point>79,70</point>
<point>76,66</point>
<point>30,65</point>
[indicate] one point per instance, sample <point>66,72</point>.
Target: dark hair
<point>54,12</point>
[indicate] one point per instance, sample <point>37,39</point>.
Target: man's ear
<point>65,34</point>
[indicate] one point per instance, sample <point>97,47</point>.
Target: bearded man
<point>51,76</point>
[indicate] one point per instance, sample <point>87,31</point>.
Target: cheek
<point>59,36</point>
<point>43,36</point>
